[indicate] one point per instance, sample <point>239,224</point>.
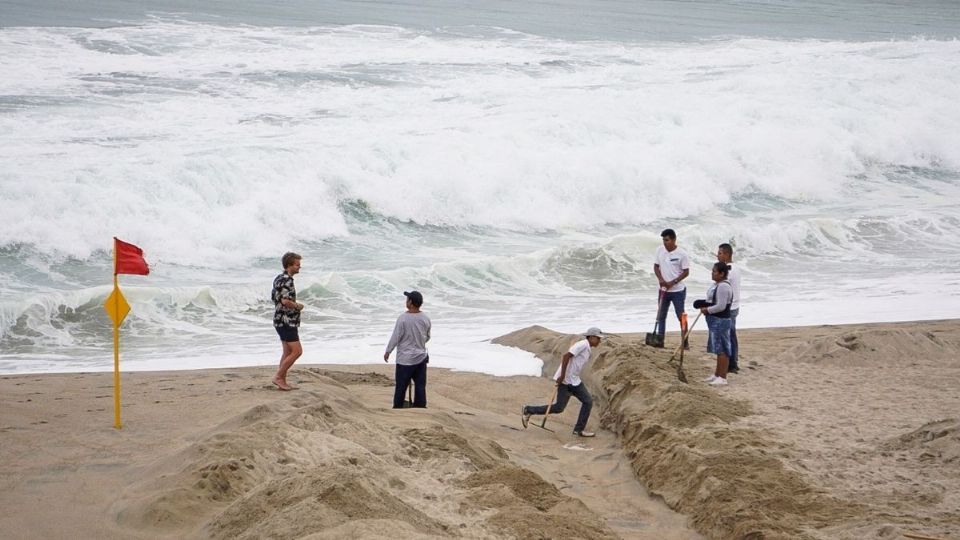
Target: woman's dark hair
<point>722,267</point>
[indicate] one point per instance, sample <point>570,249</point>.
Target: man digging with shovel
<point>569,383</point>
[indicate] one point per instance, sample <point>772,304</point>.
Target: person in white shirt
<point>672,266</point>
<point>410,336</point>
<point>725,255</point>
<point>570,384</point>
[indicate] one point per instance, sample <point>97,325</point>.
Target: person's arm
<point>684,268</point>
<point>290,304</point>
<point>563,367</point>
<point>656,270</point>
<point>683,276</point>
<point>286,291</point>
<point>394,339</point>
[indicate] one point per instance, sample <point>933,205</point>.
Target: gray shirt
<point>410,337</point>
<point>723,292</point>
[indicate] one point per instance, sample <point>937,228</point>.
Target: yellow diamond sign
<point>117,307</point>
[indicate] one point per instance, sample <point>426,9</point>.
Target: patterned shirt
<point>283,288</point>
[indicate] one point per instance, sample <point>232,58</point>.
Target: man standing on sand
<point>410,336</point>
<point>569,383</point>
<point>671,265</point>
<point>286,317</point>
<point>725,255</point>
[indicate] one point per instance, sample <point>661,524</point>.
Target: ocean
<point>514,161</point>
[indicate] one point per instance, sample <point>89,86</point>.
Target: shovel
<point>654,339</point>
<point>543,425</point>
<point>680,374</point>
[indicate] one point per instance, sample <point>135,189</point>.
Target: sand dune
<point>222,454</point>
<point>828,432</point>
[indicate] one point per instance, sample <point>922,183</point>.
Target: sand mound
<point>936,443</point>
<point>324,465</point>
<point>867,348</point>
<point>685,445</point>
<point>826,433</point>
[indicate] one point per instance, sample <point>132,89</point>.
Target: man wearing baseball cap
<point>410,336</point>
<point>569,383</point>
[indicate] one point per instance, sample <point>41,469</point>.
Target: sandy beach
<point>828,432</point>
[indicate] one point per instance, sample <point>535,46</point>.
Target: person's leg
<point>293,349</point>
<point>586,400</point>
<point>563,396</point>
<point>420,385</point>
<point>403,374</point>
<point>712,346</point>
<point>284,352</point>
<point>723,355</point>
<point>294,353</point>
<point>721,343</point>
<point>734,346</point>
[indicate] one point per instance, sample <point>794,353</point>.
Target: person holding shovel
<point>717,310</point>
<point>671,266</point>
<point>569,384</point>
<point>410,336</point>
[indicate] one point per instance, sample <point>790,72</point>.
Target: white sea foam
<point>200,140</point>
<point>514,178</point>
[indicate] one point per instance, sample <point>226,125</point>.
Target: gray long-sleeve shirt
<point>410,337</point>
<point>721,294</point>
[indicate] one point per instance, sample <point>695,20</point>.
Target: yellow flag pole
<point>116,344</point>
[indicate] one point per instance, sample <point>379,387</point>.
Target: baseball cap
<point>593,331</point>
<point>414,297</point>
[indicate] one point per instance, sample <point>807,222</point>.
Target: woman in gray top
<point>410,337</point>
<point>717,310</point>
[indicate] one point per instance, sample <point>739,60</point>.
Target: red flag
<point>129,259</point>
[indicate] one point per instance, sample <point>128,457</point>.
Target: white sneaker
<point>719,381</point>
<point>710,379</point>
<point>524,417</point>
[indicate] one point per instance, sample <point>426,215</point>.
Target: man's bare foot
<point>281,384</point>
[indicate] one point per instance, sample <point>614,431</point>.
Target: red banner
<point>129,259</point>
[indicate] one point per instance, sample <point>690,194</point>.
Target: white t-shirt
<point>672,264</point>
<point>734,278</point>
<point>581,355</point>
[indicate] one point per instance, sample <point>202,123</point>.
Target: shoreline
<point>814,439</point>
<point>699,330</point>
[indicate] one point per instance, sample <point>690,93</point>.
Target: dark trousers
<point>677,299</point>
<point>734,346</point>
<point>417,374</point>
<point>563,396</point>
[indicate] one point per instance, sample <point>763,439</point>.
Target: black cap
<point>415,297</point>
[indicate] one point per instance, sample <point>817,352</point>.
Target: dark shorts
<point>288,333</point>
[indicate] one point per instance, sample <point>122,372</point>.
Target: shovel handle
<point>549,405</point>
<point>685,336</point>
